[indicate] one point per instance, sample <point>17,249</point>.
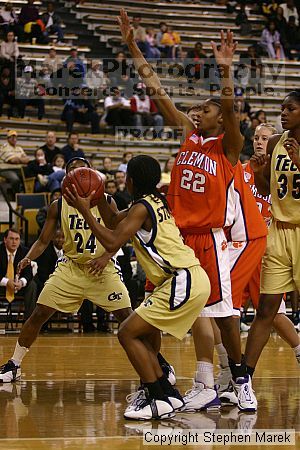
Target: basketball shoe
<point>245,394</point>
<point>10,372</point>
<point>134,399</point>
<point>201,398</point>
<point>228,396</point>
<point>223,378</point>
<point>147,409</point>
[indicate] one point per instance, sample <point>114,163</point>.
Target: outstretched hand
<point>259,162</point>
<point>80,203</point>
<point>224,53</point>
<point>125,27</point>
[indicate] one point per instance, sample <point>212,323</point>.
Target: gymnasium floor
<point>72,395</point>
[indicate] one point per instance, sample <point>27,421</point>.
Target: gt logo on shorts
<point>114,296</point>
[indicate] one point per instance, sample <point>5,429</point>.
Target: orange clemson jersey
<point>263,202</point>
<point>248,222</point>
<point>201,189</point>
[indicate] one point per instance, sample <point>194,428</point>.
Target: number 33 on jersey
<point>201,185</point>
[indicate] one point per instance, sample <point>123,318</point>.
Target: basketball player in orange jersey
<point>200,199</point>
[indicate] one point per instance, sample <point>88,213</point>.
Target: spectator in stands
<point>11,153</point>
<point>250,69</point>
<point>139,33</point>
<point>28,92</point>
<point>127,156</point>
<point>59,163</point>
<point>195,60</point>
<point>121,74</point>
<point>52,181</point>
<point>42,212</point>
<point>292,39</point>
<point>152,51</point>
<point>107,170</point>
<point>76,62</point>
<point>96,78</point>
<point>9,20</point>
<point>7,92</point>
<point>39,169</point>
<point>242,107</point>
<point>163,28</point>
<point>144,110</point>
<point>122,193</point>
<point>269,8</point>
<point>50,149</point>
<point>280,22</point>
<point>171,40</point>
<point>52,61</point>
<point>52,22</point>
<point>11,253</point>
<point>270,41</point>
<point>72,148</point>
<point>111,187</point>
<point>289,9</point>
<point>80,110</point>
<point>242,21</point>
<point>28,18</point>
<point>166,173</point>
<point>9,49</point>
<point>117,109</point>
<point>260,115</point>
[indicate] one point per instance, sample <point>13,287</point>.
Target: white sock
<point>222,355</point>
<point>297,350</point>
<point>205,374</point>
<point>19,354</point>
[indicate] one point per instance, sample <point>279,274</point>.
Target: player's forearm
<point>36,250</point>
<point>227,89</point>
<point>108,215</point>
<point>144,69</point>
<point>262,183</point>
<point>105,237</point>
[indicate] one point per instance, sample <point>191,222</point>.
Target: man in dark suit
<point>11,253</point>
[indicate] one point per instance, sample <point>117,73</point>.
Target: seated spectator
<point>11,153</point>
<point>50,149</point>
<point>242,107</point>
<point>95,78</point>
<point>28,18</point>
<point>9,49</point>
<point>52,22</point>
<point>9,20</point>
<point>116,109</point>
<point>152,50</point>
<point>171,40</point>
<point>242,21</point>
<point>11,253</point>
<point>58,173</point>
<point>197,55</point>
<point>280,23</point>
<point>139,33</point>
<point>166,173</point>
<point>144,110</point>
<point>270,41</point>
<point>59,163</point>
<point>292,39</point>
<point>52,61</point>
<point>127,156</point>
<point>289,9</point>
<point>111,188</point>
<point>39,169</point>
<point>269,8</point>
<point>28,90</point>
<point>80,110</point>
<point>72,148</point>
<point>42,212</point>
<point>107,170</point>
<point>163,28</point>
<point>78,64</point>
<point>7,92</point>
<point>122,193</point>
<point>120,73</point>
<point>260,115</point>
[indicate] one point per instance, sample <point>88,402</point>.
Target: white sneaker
<point>245,394</point>
<point>223,379</point>
<point>147,409</point>
<point>134,398</point>
<point>228,396</point>
<point>177,401</point>
<point>201,398</point>
<point>244,327</point>
<point>9,372</point>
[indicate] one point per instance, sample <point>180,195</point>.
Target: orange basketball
<point>86,181</point>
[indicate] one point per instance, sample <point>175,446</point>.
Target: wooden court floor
<point>73,394</point>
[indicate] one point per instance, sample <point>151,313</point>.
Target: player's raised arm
<point>44,239</point>
<point>233,141</point>
<point>165,105</point>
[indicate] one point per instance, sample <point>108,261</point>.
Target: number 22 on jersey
<point>193,181</point>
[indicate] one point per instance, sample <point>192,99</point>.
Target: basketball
<point>86,181</point>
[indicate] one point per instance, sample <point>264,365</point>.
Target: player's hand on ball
<point>73,199</point>
<point>125,27</point>
<point>97,265</point>
<point>292,147</point>
<point>22,264</point>
<point>259,162</point>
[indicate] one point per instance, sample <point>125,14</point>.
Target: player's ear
<point>220,119</point>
